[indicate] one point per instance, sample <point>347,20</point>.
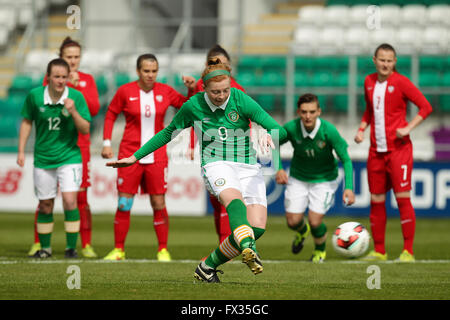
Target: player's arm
<point>114,109</point>
<point>366,118</point>
<point>92,98</point>
<point>281,177</point>
<point>181,121</point>
<point>415,96</point>
<point>24,134</point>
<point>340,146</point>
<point>81,123</point>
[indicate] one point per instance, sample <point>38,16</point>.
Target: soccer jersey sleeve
<point>415,96</point>
<point>81,106</point>
<point>367,116</point>
<point>256,113</point>
<point>181,121</point>
<point>27,109</point>
<point>340,146</point>
<point>91,96</point>
<point>114,109</point>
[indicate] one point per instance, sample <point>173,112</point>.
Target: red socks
<point>378,225</point>
<point>85,218</point>
<point>121,227</point>
<point>221,220</point>
<point>408,221</point>
<point>161,225</point>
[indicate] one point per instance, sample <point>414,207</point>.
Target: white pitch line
<point>5,261</point>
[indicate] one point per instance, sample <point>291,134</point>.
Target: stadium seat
<point>247,79</point>
<point>273,79</point>
<point>435,40</point>
<point>409,40</point>
<point>102,84</point>
<point>267,101</point>
<point>431,63</point>
<point>121,78</point>
<point>444,103</point>
<point>301,79</point>
<point>413,15</point>
<point>306,38</point>
<point>383,35</point>
<point>390,15</point>
<point>21,84</point>
<point>311,15</point>
<point>37,59</point>
<point>9,126</point>
<point>357,16</point>
<point>340,103</point>
<point>337,15</point>
<point>429,79</point>
<point>330,40</point>
<point>356,40</point>
<point>438,15</point>
<point>322,79</point>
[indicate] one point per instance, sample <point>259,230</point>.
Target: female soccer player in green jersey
<point>221,116</point>
<point>312,180</point>
<point>59,114</point>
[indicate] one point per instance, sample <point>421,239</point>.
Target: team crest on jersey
<point>233,116</point>
<point>220,182</point>
<point>159,98</point>
<point>391,89</point>
<point>82,84</point>
<point>119,181</point>
<point>321,144</point>
<point>42,109</point>
<point>64,112</point>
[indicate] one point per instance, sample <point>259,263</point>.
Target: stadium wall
<point>185,195</point>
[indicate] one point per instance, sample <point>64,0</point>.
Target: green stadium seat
<point>21,84</point>
<point>340,103</point>
<point>273,79</point>
<point>365,64</point>
<point>301,79</point>
<point>273,62</point>
<point>121,78</point>
<point>247,79</point>
<point>444,103</point>
<point>247,62</point>
<point>403,64</point>
<point>267,101</point>
<point>304,63</point>
<point>102,84</point>
<point>9,126</point>
<point>322,79</point>
<point>429,79</point>
<point>361,102</point>
<point>431,63</point>
<point>446,79</point>
<point>341,79</point>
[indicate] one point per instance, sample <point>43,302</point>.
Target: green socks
<point>72,227</point>
<point>45,228</point>
<point>318,233</point>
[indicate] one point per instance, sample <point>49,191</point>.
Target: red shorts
<point>388,170</point>
<point>152,178</point>
<point>86,159</point>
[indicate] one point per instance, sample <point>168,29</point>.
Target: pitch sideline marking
<point>4,261</point>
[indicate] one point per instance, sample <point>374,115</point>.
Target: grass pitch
<point>285,277</point>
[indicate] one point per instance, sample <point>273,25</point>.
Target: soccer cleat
<point>206,273</point>
<point>297,244</point>
<point>318,256</point>
<point>88,252</point>
<point>70,253</point>
<point>34,248</point>
<point>115,254</point>
<point>252,260</point>
<point>42,254</point>
<point>405,256</point>
<point>375,256</point>
<point>163,255</point>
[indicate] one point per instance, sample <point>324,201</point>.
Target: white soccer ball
<point>351,240</point>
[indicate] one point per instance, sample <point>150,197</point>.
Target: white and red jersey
<point>86,85</point>
<point>386,109</point>
<point>144,117</point>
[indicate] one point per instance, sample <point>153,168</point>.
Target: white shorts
<point>247,178</point>
<point>46,181</point>
<point>300,195</point>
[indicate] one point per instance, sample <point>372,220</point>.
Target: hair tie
<point>216,73</point>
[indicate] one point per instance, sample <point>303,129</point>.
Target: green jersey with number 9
<point>56,135</point>
<point>223,131</point>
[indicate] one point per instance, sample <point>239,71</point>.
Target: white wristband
<point>107,143</point>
